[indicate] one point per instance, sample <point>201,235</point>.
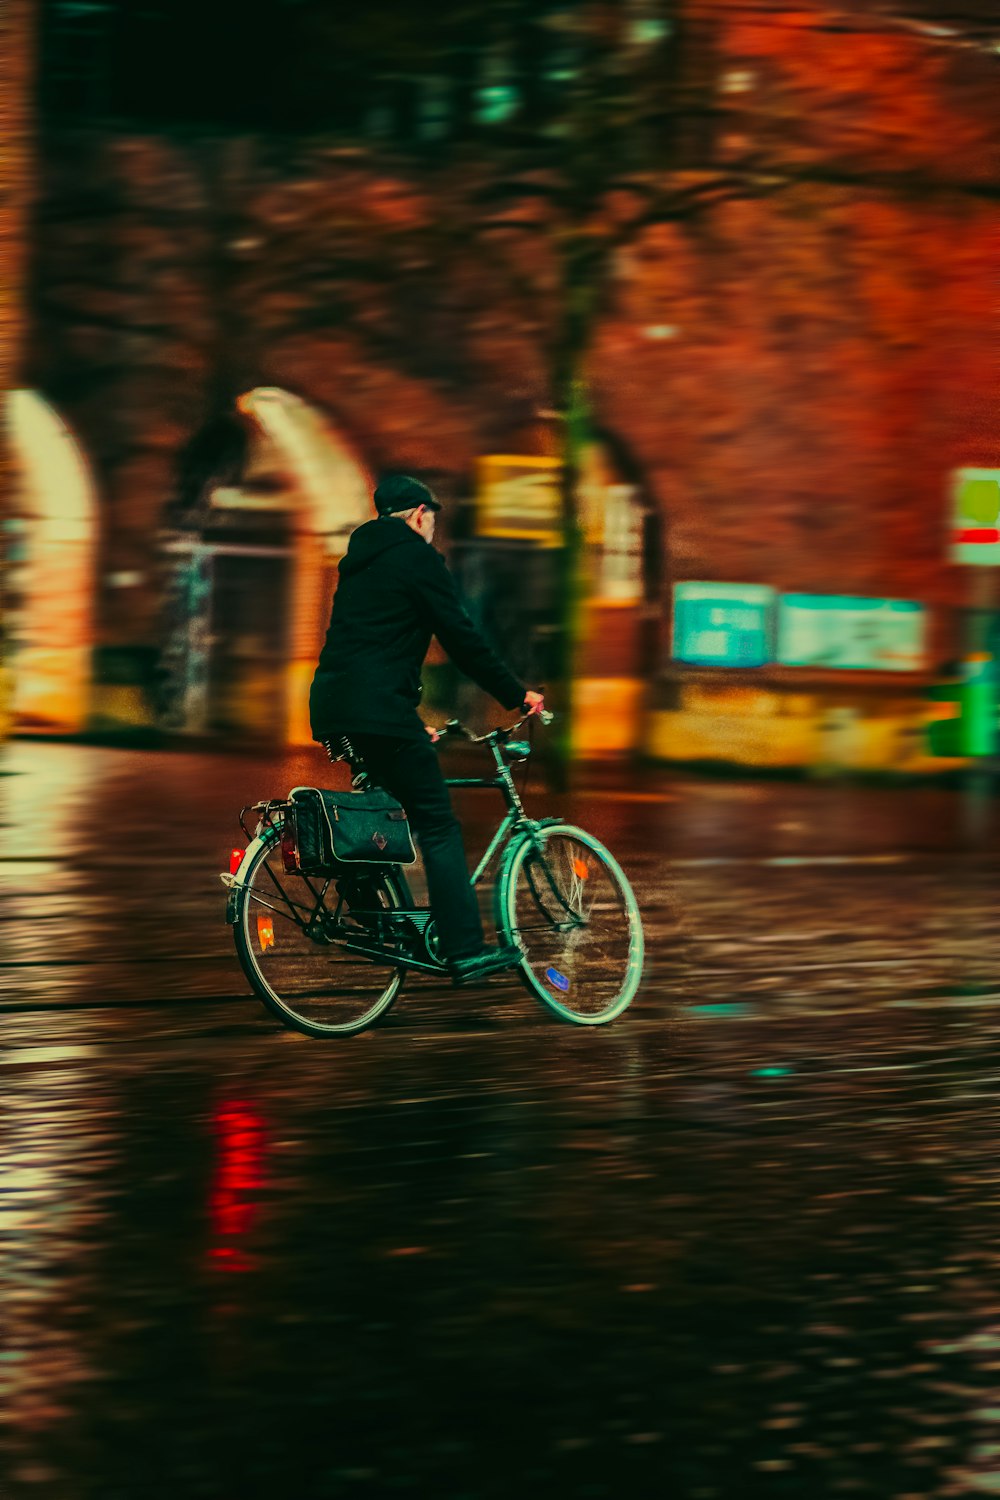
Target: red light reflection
<point>236,1181</point>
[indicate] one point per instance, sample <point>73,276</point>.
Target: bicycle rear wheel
<point>563,896</point>
<point>291,938</point>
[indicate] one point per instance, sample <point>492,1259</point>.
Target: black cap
<point>400,492</point>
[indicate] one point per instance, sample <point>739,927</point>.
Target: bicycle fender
<point>239,878</point>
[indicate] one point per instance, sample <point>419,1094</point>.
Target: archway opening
<point>49,546</point>
<point>618,651</point>
<point>272,493</point>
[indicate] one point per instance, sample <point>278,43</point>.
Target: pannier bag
<point>334,828</point>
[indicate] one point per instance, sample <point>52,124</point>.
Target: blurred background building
<point>687,309</point>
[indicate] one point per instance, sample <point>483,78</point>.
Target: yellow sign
<point>519,497</point>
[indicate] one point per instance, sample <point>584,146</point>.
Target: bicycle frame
<point>549,877</point>
<point>515,817</point>
<point>515,820</point>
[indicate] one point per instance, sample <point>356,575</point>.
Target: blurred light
<point>649,31</point>
<point>238,1177</point>
<point>55,479</point>
<point>723,1008</point>
<point>661,331</point>
<point>51,623</point>
<point>497,104</point>
<point>738,81</point>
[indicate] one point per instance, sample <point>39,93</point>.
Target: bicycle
<point>329,955</point>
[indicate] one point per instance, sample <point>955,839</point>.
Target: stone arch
<point>334,497</point>
<point>52,541</point>
<point>270,487</point>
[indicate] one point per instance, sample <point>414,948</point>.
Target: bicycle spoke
<point>317,899</point>
<point>254,896</point>
<point>301,966</point>
<point>575,915</point>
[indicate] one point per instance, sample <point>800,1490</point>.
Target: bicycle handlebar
<point>459,731</point>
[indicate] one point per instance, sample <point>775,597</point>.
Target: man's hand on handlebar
<point>533,708</point>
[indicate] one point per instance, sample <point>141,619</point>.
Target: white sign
<point>975,531</point>
<point>843,632</point>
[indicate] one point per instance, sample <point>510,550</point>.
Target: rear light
<point>235,860</point>
<point>289,853</point>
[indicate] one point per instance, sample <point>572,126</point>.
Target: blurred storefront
<point>226,635</point>
<point>775,680</point>
<point>243,571</point>
<point>700,671</point>
<point>506,557</point>
<point>759,676</point>
<point>621,623</point>
<point>792,344</point>
<point>249,570</point>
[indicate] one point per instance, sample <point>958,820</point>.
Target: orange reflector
<point>265,930</point>
<point>580,869</point>
<point>235,860</point>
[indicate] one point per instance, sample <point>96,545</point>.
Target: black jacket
<point>395,592</point>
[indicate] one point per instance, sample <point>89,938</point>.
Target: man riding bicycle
<point>395,592</point>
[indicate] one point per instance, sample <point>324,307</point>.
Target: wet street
<point>743,1243</point>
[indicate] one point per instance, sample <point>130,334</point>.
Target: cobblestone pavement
<point>743,1243</point>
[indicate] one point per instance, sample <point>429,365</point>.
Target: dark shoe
<point>484,965</point>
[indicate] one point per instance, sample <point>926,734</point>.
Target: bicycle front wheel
<point>293,938</point>
<point>563,896</point>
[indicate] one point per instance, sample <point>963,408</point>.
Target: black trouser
<point>409,769</point>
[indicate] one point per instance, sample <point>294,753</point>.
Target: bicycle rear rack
<point>265,815</point>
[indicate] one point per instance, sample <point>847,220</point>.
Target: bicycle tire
<point>553,927</point>
<point>289,1009</point>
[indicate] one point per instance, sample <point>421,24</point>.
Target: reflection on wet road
<point>744,1243</point>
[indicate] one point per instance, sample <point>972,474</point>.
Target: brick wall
<point>792,376</point>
